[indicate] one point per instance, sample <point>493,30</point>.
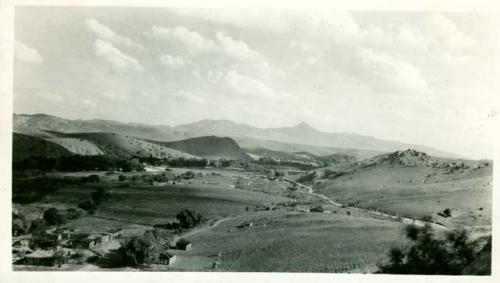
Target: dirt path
<point>405,220</point>
<point>205,228</point>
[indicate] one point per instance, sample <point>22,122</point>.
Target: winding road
<point>405,220</point>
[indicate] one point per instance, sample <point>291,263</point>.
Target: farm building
<point>116,232</point>
<point>20,243</point>
<point>83,241</point>
<point>166,258</point>
<point>183,244</point>
<point>302,208</point>
<point>42,257</point>
<point>318,208</point>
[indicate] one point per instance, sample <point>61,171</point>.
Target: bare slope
<point>209,147</point>
<point>414,184</point>
<point>117,145</point>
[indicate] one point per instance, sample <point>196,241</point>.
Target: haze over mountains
<point>298,138</point>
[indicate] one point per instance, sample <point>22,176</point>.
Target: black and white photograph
<point>262,140</point>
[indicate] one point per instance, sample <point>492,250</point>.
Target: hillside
<point>117,145</point>
<point>25,146</point>
<point>302,156</point>
<point>209,147</point>
<point>302,134</point>
<point>308,138</point>
<point>38,124</point>
<point>414,184</point>
<point>252,144</point>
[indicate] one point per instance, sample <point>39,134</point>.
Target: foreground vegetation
<point>455,254</point>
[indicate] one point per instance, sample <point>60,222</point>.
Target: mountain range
<point>301,137</point>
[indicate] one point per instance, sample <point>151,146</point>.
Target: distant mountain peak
<point>304,126</point>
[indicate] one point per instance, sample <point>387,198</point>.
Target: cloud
<point>115,57</point>
<point>26,54</point>
<point>390,74</point>
<point>105,33</point>
<point>446,32</point>
<point>239,50</point>
<point>257,18</point>
<point>172,61</point>
<point>249,86</point>
<point>193,41</point>
<point>189,97</point>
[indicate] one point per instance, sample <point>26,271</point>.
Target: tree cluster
<point>95,198</point>
<point>76,163</point>
<point>428,254</point>
<point>142,251</point>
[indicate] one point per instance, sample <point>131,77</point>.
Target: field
<point>310,242</point>
<point>258,222</point>
<point>142,203</point>
<point>417,192</point>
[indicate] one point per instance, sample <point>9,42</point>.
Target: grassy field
<point>140,203</point>
<point>299,242</point>
<point>417,192</point>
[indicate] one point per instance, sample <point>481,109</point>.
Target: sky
<point>418,77</point>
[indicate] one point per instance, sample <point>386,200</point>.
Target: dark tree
<point>429,254</point>
<point>99,195</point>
<point>141,251</point>
<point>88,204</point>
<point>53,216</point>
<point>189,218</point>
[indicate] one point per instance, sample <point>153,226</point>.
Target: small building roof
<point>166,255</point>
<point>41,254</point>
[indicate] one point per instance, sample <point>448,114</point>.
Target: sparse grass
<point>143,204</point>
<point>299,242</point>
<point>389,190</point>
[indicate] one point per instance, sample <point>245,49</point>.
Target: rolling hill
<point>308,138</point>
<point>39,124</point>
<point>208,147</point>
<point>414,184</point>
<point>116,145</point>
<point>302,134</point>
<point>25,147</point>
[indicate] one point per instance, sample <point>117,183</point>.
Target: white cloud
<point>172,61</point>
<point>390,74</point>
<point>257,18</point>
<point>239,50</point>
<point>105,33</point>
<point>192,40</point>
<point>26,54</point>
<point>190,97</point>
<point>248,86</point>
<point>446,32</point>
<point>115,57</point>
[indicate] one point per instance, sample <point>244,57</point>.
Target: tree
<point>99,195</point>
<point>447,212</point>
<point>53,216</point>
<point>189,218</point>
<point>431,255</point>
<point>140,251</point>
<point>88,204</point>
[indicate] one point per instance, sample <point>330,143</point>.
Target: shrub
<point>140,251</point>
<point>189,218</point>
<point>88,204</point>
<point>53,216</point>
<point>430,255</point>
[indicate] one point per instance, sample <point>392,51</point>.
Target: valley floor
<point>255,223</point>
